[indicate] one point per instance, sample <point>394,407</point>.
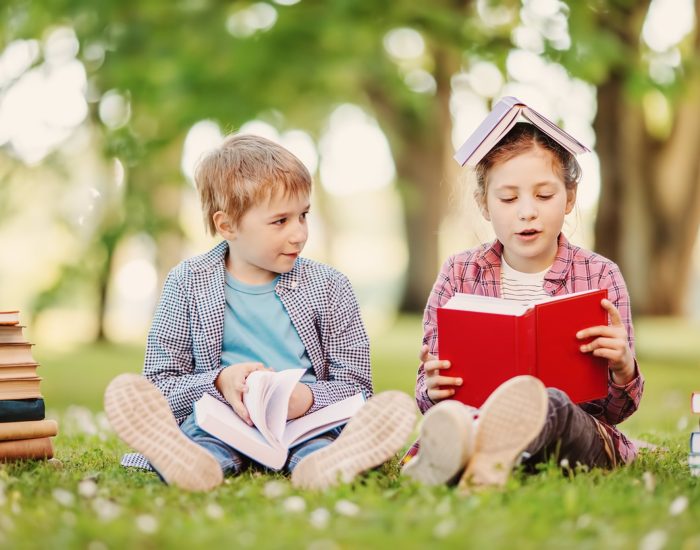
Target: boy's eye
<point>281,221</point>
<point>303,216</point>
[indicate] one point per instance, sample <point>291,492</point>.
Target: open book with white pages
<point>269,439</point>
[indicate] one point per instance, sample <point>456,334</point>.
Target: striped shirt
<point>524,288</point>
<point>478,271</point>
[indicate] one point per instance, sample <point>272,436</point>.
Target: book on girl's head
<point>490,340</point>
<point>267,401</point>
<point>500,121</point>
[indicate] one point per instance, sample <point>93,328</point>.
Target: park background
<point>105,108</point>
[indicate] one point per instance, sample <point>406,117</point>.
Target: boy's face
<point>526,202</point>
<point>268,238</point>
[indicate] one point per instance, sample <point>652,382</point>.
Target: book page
<point>322,420</point>
<point>267,400</point>
<point>485,304</point>
<point>565,139</point>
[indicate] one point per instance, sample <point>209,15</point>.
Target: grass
<point>90,502</point>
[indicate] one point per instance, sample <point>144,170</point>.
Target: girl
<point>525,187</point>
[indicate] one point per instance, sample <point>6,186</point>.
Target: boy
<point>248,304</point>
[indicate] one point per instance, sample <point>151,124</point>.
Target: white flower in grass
<point>444,528</point>
<point>654,540</point>
<point>678,506</point>
<point>294,504</point>
<point>159,502</point>
<point>583,521</point>
<point>319,518</point>
<point>214,511</point>
<point>347,508</point>
<point>15,508</point>
<point>87,488</point>
<point>105,509</point>
<point>649,481</point>
<point>323,545</point>
<point>274,489</point>
<point>147,524</point>
<point>63,497</point>
<point>564,464</point>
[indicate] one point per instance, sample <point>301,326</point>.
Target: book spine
<point>695,402</point>
<point>31,429</point>
<point>695,442</point>
<point>37,448</point>
<point>526,326</point>
<point>20,410</point>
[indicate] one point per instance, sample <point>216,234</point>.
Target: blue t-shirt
<point>257,327</point>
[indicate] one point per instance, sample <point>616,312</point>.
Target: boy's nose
<point>299,235</point>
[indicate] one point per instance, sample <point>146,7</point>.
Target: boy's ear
<point>224,226</point>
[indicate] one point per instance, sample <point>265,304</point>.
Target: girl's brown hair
<point>244,170</point>
<point>524,137</point>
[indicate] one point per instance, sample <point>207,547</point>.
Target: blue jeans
<point>232,462</point>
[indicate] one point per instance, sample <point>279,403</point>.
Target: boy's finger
<point>423,354</point>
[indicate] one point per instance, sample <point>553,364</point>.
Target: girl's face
<point>526,201</point>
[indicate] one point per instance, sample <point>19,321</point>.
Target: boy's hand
<point>300,401</point>
<point>433,379</point>
<point>611,343</point>
<point>231,384</point>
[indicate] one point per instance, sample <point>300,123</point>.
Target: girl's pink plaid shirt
<point>478,271</point>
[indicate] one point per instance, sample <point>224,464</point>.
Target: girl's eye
<point>281,221</point>
<point>508,199</point>
<point>546,197</point>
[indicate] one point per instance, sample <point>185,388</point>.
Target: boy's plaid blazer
<point>183,351</point>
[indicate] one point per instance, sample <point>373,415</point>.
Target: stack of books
<point>25,433</point>
<point>694,455</point>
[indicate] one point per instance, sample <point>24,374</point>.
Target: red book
<point>490,340</point>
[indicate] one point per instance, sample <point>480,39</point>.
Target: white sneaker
<point>446,443</point>
<point>509,420</point>
<point>371,437</point>
<point>142,418</point>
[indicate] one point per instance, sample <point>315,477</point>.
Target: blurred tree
<point>179,62</point>
<point>648,134</point>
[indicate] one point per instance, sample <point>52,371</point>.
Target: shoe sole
<point>140,415</point>
<point>446,441</point>
<point>371,437</point>
<point>509,420</point>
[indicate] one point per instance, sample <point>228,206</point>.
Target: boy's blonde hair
<point>244,170</point>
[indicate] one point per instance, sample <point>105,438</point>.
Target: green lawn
<point>90,502</point>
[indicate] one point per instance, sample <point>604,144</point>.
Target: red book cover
<point>490,340</point>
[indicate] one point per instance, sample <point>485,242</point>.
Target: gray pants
<point>571,433</point>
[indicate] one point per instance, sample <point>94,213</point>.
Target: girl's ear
<point>570,200</point>
<point>224,226</point>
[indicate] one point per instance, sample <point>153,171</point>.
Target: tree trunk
<point>649,211</point>
<point>425,169</point>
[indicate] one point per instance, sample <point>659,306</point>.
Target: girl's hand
<point>231,384</point>
<point>433,379</point>
<point>611,343</point>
